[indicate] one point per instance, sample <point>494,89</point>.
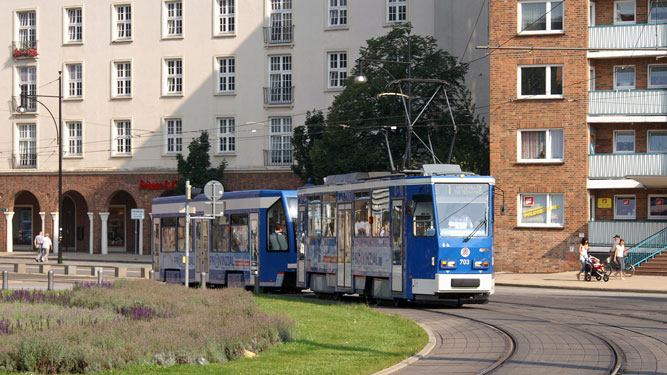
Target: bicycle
<point>628,271</point>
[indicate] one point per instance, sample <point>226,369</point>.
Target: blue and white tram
<point>256,229</point>
<point>426,237</point>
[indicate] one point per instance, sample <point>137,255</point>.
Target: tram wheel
<point>398,302</point>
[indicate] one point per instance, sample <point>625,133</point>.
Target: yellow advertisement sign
<point>604,202</point>
<point>539,210</point>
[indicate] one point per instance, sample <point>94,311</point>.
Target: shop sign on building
<point>604,202</point>
<point>166,185</point>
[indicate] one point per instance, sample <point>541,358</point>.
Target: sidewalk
<point>79,258</point>
<point>568,280</point>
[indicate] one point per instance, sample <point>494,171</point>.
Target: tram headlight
<point>480,264</point>
<point>448,264</point>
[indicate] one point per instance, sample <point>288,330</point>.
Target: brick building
<point>577,126</point>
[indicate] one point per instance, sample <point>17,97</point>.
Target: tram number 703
<point>465,262</point>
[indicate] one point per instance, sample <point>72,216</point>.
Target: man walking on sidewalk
<point>39,245</point>
<point>47,247</point>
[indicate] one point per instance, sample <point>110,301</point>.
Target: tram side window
<point>239,233</point>
<point>276,224</point>
<point>168,234</point>
<point>361,214</point>
<point>220,234</point>
<point>423,219</point>
<point>181,234</point>
<point>329,215</point>
<point>314,217</point>
<point>380,218</point>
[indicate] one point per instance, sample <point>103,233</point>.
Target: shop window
<point>116,226</point>
<point>657,207</point>
<point>625,207</point>
<point>541,210</point>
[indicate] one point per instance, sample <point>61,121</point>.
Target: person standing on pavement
<point>47,247</point>
<point>39,245</point>
<point>619,255</point>
<point>583,257</point>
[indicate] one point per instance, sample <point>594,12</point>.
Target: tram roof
<point>229,195</point>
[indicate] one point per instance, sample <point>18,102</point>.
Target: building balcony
<point>627,103</point>
<point>24,161</point>
<point>24,50</point>
<point>279,34</point>
<point>278,158</point>
<point>609,166</point>
<point>631,40</point>
<point>601,233</point>
<point>279,95</point>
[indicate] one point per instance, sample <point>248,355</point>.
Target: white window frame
<point>31,86</point>
<point>650,8</point>
<point>174,21</point>
<point>616,87</point>
<point>224,13</point>
<point>337,73</point>
<point>172,77</point>
<point>117,78</point>
<point>625,217</point>
<point>648,208</point>
<point>548,7</point>
<point>280,78</point>
<point>549,205</point>
<point>74,139</point>
<point>73,88</point>
<point>634,143</point>
<point>226,134</point>
<point>73,27</point>
<point>591,13</point>
<point>337,13</point>
<point>125,22</point>
<point>124,136</point>
<point>26,33</point>
<point>173,130</point>
<point>648,79</point>
<point>547,94</point>
<point>281,21</point>
<point>548,150</point>
<point>618,22</point>
<point>32,145</point>
<point>281,131</point>
<point>225,82</point>
<point>648,140</point>
<point>395,7</point>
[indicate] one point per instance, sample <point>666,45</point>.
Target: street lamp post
<point>22,108</point>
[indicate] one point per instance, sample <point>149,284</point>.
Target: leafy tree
<point>196,167</point>
<point>359,119</point>
<point>303,139</point>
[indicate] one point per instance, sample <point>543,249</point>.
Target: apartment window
<point>122,79</point>
<point>122,21</point>
<point>74,80</point>
<point>591,78</point>
<point>657,76</point>
<point>122,138</point>
<point>280,79</point>
<point>541,210</point>
<point>74,22</point>
<point>591,14</point>
<point>174,135</point>
<point>540,17</point>
<point>337,13</point>
<point>173,83</point>
<point>657,141</point>
<point>624,141</point>
<point>27,31</point>
<point>657,207</point>
<point>624,77</point>
<point>541,145</point>
<point>624,12</point>
<point>27,146</point>
<point>74,145</point>
<point>657,11</point>
<point>226,17</point>
<point>173,14</point>
<point>280,21</point>
<point>625,207</point>
<point>226,135</point>
<point>396,11</point>
<point>281,141</point>
<point>27,79</point>
<point>226,74</point>
<point>541,81</point>
<point>337,69</point>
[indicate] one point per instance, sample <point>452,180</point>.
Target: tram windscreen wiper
<point>478,227</point>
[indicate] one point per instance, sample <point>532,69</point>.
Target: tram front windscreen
<point>462,209</point>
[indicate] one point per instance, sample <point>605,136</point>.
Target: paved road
<point>546,331</point>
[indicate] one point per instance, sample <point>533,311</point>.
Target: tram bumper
<point>447,285</point>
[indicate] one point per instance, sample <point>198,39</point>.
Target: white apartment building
<point>141,78</point>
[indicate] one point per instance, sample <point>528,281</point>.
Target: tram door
<point>397,246</point>
<point>344,245</point>
<point>201,248</point>
<point>301,249</point>
<point>254,248</point>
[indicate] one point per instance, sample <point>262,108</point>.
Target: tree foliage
<point>197,166</point>
<point>353,138</point>
<point>303,139</point>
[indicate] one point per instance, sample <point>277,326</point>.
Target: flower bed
<point>132,323</point>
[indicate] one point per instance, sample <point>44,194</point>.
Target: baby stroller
<point>596,269</point>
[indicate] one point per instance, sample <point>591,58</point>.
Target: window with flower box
<point>26,35</point>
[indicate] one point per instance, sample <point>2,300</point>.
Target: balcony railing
<point>627,36</point>
<point>31,106</point>
<point>278,95</point>
<point>278,158</point>
<point>622,165</point>
<point>25,49</point>
<point>24,161</point>
<point>279,34</point>
<point>633,232</point>
<point>627,102</point>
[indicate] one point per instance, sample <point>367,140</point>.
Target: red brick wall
<point>527,249</point>
<point>604,71</point>
<point>604,143</point>
<point>604,12</point>
<point>641,199</point>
